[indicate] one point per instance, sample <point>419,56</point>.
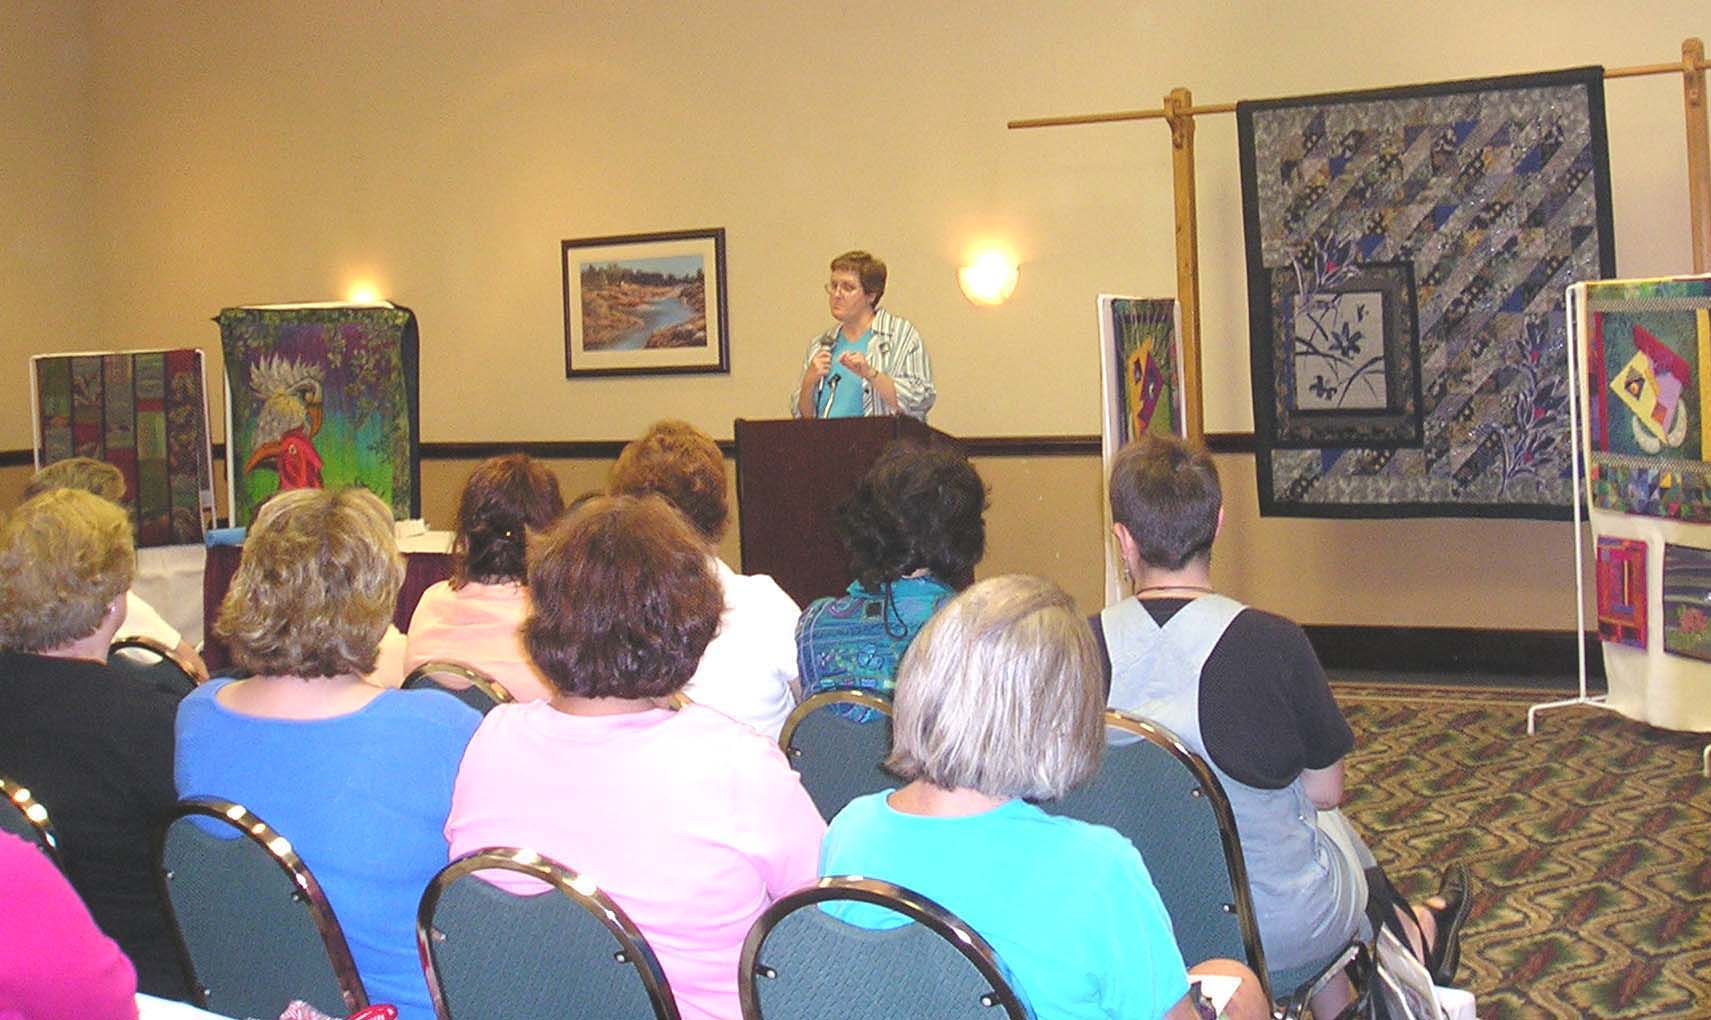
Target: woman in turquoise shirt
<point>999,703</point>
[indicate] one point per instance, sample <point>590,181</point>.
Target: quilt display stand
<point>1640,367</point>
<point>1578,472</point>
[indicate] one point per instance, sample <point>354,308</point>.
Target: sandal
<point>1444,955</point>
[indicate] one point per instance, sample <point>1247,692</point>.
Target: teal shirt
<point>1068,907</point>
<point>846,399</point>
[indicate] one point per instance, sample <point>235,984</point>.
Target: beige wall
<point>176,158</point>
<point>48,284</point>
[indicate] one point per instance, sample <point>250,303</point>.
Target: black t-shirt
<point>1266,710</point>
<point>95,748</point>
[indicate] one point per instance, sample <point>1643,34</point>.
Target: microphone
<point>828,384</point>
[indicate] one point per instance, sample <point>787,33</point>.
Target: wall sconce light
<point>363,292</point>
<point>990,279</point>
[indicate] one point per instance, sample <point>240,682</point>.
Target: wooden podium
<point>791,477</point>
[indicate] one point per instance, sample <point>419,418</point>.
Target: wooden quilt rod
<point>1688,65</point>
<point>1179,110</point>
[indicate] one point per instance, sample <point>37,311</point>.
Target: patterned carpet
<point>1589,845</point>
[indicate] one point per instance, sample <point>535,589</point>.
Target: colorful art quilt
<point>1407,255</point>
<point>144,412</point>
<point>322,396</point>
<point>1141,351</point>
<point>1622,591</point>
<point>1687,601</point>
<point>1645,346</point>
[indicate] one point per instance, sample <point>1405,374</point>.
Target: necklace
<point>1199,589</point>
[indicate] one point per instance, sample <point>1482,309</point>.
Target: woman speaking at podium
<point>872,362</point>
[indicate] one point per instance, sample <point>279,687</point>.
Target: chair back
<point>24,817</point>
<point>838,758</point>
<point>801,963</point>
<point>568,951</point>
<point>1167,801</point>
<point>148,661</point>
<point>479,691</point>
<point>254,929</point>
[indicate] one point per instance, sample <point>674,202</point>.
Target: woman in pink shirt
<point>54,962</point>
<point>474,617</point>
<point>691,821</point>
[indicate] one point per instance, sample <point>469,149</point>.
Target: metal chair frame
<point>1209,787</point>
<point>35,816</point>
<point>906,902</point>
<point>839,696</point>
<point>634,949</point>
<point>154,647</point>
<point>423,677</point>
<point>308,892</point>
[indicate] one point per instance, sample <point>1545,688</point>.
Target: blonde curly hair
<point>316,586</point>
<point>65,556</point>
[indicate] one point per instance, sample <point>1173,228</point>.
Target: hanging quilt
<point>1141,354</point>
<point>1622,591</point>
<point>1687,601</point>
<point>1407,253</point>
<point>144,412</point>
<point>321,396</point>
<point>1646,350</point>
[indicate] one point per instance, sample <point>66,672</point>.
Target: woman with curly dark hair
<point>475,617</point>
<point>690,820</point>
<point>914,529</point>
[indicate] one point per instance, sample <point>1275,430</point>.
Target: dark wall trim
<point>1534,654</point>
<point>607,449</point>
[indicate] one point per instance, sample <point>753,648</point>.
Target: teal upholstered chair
<point>254,928</point>
<point>478,690</point>
<point>838,758</point>
<point>568,951</point>
<point>801,963</point>
<point>1165,798</point>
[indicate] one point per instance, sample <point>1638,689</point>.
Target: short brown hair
<point>869,269</point>
<point>316,587</point>
<point>1001,693</point>
<point>1166,493</point>
<point>85,473</point>
<point>504,500</point>
<point>623,600</point>
<point>65,555</point>
<point>678,461</point>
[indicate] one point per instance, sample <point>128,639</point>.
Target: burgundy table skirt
<point>421,569</point>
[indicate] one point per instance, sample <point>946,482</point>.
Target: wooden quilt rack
<point>1179,111</point>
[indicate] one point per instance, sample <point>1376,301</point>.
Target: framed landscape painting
<point>645,304</point>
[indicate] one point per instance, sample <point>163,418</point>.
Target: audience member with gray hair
<point>999,703</point>
<point>93,746</point>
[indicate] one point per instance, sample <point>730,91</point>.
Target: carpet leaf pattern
<point>1588,844</point>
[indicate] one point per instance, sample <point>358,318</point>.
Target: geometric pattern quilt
<point>321,396</point>
<point>1646,352</point>
<point>1407,252</point>
<point>1144,364</point>
<point>145,413</point>
<point>1622,591</point>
